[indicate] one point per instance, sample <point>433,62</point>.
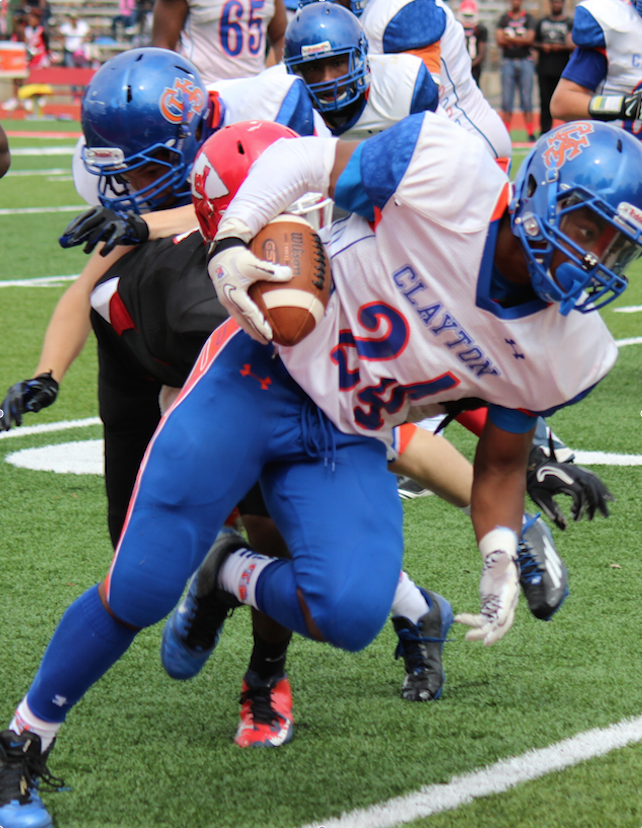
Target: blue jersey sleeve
<point>376,167</point>
<point>426,92</point>
<point>296,110</point>
<point>509,419</point>
<point>418,24</point>
<point>587,32</point>
<point>518,422</point>
<point>587,68</point>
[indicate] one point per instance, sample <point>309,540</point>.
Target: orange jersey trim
<point>431,56</point>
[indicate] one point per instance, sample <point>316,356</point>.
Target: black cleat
<point>542,574</point>
<point>420,646</point>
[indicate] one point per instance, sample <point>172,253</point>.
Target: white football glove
<point>233,268</point>
<point>498,588</point>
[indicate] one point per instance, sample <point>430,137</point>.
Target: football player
<point>603,78</point>
<point>403,334</point>
<point>357,95</point>
<point>223,41</point>
<point>429,29</point>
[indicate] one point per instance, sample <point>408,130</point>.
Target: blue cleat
<point>21,765</point>
<point>420,645</point>
<point>542,574</point>
<point>193,629</point>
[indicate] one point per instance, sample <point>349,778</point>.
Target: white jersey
<point>226,39</point>
<point>619,26</point>
<point>412,322</point>
<point>399,86</point>
<point>271,96</point>
<point>459,95</point>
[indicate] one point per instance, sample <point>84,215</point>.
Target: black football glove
<point>546,478</point>
<point>612,107</point>
<point>30,395</point>
<point>102,224</point>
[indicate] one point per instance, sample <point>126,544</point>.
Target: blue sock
<point>85,645</point>
<point>276,596</point>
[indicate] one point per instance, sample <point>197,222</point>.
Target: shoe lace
<point>205,620</point>
<point>409,648</point>
<point>22,774</point>
<point>260,697</point>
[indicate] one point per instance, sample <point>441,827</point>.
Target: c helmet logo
<point>567,143</point>
<point>183,97</point>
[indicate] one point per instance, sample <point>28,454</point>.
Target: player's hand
<point>102,224</point>
<point>546,478</point>
<point>632,106</point>
<point>498,588</point>
<point>30,395</point>
<point>233,269</point>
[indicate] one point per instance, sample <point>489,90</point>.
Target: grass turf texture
<point>141,750</point>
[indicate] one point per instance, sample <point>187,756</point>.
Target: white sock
<point>240,573</point>
<point>409,601</point>
<point>24,719</point>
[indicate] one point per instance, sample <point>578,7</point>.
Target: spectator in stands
<point>37,40</point>
<point>554,43</point>
<point>75,33</point>
<point>476,36</point>
<point>18,23</point>
<point>515,35</point>
<point>222,43</point>
<point>126,18</point>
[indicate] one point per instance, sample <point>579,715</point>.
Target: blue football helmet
<point>356,6</point>
<point>322,30</point>
<point>144,106</point>
<point>579,192</point>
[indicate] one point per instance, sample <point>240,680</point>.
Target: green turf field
<point>142,750</point>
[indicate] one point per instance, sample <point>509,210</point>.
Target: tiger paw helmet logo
<point>181,99</point>
<point>566,143</point>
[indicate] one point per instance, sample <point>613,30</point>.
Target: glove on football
<point>546,478</point>
<point>233,269</point>
<point>102,224</point>
<point>30,395</point>
<point>498,588</point>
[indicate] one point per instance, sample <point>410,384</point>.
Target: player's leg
<point>508,90</point>
<point>189,481</point>
<point>129,409</point>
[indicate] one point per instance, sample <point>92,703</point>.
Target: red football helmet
<point>222,165</point>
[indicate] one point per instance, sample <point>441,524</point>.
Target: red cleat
<point>266,712</point>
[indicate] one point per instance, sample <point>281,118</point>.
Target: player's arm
<point>570,101</point>
<point>285,171</point>
<point>70,325</point>
<point>5,155</point>
<point>169,17</point>
<point>276,34</point>
<point>65,338</point>
<point>481,53</point>
<point>497,506</point>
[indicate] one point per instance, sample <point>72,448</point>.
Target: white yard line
<point>41,281</point>
<point>42,151</point>
<point>24,431</point>
<point>628,309</point>
<point>23,211</point>
<point>495,779</point>
<point>54,171</point>
<point>633,340</point>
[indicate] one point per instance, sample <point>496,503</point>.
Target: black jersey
<point>156,306</point>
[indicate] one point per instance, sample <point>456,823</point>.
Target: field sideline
<point>564,698</point>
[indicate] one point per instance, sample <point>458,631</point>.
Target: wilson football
<point>293,308</point>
